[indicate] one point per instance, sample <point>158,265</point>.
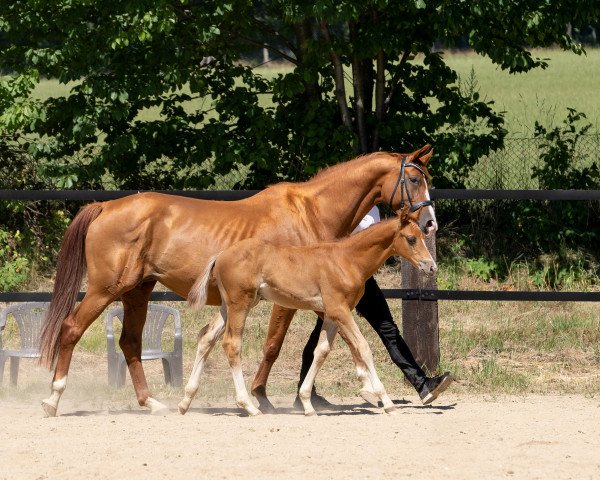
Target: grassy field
<point>543,95</point>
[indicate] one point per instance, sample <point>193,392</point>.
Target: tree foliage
<point>160,96</point>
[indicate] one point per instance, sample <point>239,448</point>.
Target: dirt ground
<point>460,437</point>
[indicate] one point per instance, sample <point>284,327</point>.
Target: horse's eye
<point>414,180</point>
<point>412,241</point>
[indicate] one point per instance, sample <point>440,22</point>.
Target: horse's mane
<point>339,168</point>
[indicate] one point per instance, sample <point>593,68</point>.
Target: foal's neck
<point>371,247</point>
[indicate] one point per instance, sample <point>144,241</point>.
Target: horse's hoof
<point>310,413</point>
<point>49,409</point>
<point>369,397</point>
<point>255,413</point>
<point>392,410</point>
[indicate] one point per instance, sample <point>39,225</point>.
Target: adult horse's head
<point>406,189</point>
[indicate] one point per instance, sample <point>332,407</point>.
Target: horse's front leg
<point>278,327</point>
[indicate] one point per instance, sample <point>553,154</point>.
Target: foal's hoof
<point>369,397</point>
<point>392,410</point>
<point>49,409</point>
<point>310,413</point>
<point>183,408</point>
<point>156,408</point>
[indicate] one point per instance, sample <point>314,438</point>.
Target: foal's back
<point>298,277</point>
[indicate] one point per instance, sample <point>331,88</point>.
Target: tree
<point>159,97</point>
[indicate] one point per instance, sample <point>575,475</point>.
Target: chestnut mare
<point>328,278</point>
<point>129,244</point>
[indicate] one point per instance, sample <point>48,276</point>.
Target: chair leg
<point>14,370</point>
<point>177,371</point>
<point>112,369</point>
<point>167,371</point>
<point>2,362</point>
<point>121,372</point>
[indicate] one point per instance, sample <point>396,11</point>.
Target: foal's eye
<point>412,241</point>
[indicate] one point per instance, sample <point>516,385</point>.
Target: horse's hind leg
<point>71,331</point>
<point>207,338</point>
<point>321,352</point>
<point>278,327</point>
<point>135,306</point>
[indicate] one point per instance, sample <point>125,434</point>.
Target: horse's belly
<point>290,299</point>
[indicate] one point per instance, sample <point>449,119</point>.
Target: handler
<point>374,308</point>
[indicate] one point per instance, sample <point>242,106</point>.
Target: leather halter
<point>402,181</point>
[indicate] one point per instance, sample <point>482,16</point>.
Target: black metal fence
<point>405,294</point>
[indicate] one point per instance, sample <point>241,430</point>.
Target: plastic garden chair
<point>151,345</point>
<point>29,318</point>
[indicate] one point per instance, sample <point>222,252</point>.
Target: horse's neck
<point>344,194</point>
<point>371,247</point>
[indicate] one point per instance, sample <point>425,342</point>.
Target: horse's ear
<point>422,155</point>
<point>425,158</point>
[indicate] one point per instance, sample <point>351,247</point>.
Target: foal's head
<point>409,242</point>
<point>406,191</point>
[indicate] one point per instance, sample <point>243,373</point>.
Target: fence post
<point>420,327</point>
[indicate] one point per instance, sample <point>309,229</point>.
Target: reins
<point>402,181</point>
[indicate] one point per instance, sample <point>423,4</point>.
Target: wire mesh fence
<point>512,166</point>
<point>509,168</point>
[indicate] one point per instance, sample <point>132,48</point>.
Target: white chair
<point>151,345</point>
<point>29,318</point>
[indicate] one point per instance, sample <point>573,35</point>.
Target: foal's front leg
<point>207,338</point>
<point>363,358</point>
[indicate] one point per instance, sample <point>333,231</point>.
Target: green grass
<point>542,95</point>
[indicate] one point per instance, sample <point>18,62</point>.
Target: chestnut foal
<point>328,278</point>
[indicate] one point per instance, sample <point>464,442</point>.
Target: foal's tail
<point>70,270</point>
<point>199,291</point>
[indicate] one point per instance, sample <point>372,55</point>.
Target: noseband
<point>402,182</point>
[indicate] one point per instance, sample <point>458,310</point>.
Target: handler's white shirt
<point>369,219</point>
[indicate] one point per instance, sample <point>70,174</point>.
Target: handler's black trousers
<point>374,308</point>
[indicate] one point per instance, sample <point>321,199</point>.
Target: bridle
<point>402,182</point>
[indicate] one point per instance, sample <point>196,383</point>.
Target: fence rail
<point>436,194</point>
<point>404,294</point>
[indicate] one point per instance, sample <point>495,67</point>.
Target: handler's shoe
<point>434,386</point>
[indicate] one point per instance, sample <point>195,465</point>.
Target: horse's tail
<point>69,273</point>
<point>199,291</point>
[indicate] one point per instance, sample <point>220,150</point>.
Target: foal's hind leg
<point>71,331</point>
<point>321,352</point>
<point>278,327</point>
<point>135,306</point>
<point>207,338</point>
<point>232,344</point>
